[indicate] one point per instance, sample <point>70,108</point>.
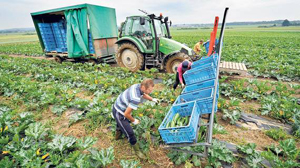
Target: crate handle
<point>200,84</point>
<point>184,105</point>
<point>196,93</point>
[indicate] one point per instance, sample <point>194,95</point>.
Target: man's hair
<point>201,40</point>
<point>147,83</point>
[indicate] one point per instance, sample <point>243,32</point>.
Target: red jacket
<point>181,72</point>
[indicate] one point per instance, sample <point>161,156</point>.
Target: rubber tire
<point>131,47</point>
<point>58,59</point>
<point>178,57</point>
<point>93,61</point>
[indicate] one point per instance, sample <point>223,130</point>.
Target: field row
<point>31,87</point>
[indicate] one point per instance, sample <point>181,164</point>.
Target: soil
<point>241,136</point>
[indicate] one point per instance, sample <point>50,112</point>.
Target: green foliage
<point>36,85</point>
<point>144,131</point>
<point>277,134</point>
<point>288,149</point>
<point>179,157</point>
<point>26,48</point>
<point>296,124</point>
<point>129,164</point>
<point>219,129</point>
<point>61,143</point>
<point>36,130</point>
<point>86,142</point>
<point>75,118</point>
<point>58,110</point>
<point>6,162</point>
<point>217,153</point>
<point>102,158</point>
<point>252,157</point>
<point>232,115</point>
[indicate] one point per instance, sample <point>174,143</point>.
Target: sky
<point>16,13</point>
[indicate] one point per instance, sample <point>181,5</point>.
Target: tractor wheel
<point>58,59</point>
<point>130,57</point>
<point>173,62</point>
<point>93,61</point>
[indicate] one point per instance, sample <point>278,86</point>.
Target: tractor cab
<point>145,41</point>
<point>145,29</point>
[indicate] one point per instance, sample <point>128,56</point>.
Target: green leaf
<point>61,143</point>
<point>36,130</point>
<point>86,142</point>
<point>102,158</point>
<point>6,162</point>
<point>129,164</point>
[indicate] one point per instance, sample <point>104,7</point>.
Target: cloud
<point>16,13</point>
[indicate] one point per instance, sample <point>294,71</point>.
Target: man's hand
<point>136,121</point>
<point>182,85</point>
<point>155,100</point>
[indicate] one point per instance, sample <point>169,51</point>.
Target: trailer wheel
<point>93,61</point>
<point>173,62</point>
<point>130,57</point>
<point>58,59</point>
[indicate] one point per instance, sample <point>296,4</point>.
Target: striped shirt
<point>131,97</point>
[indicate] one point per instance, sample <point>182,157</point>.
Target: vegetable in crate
<point>178,121</point>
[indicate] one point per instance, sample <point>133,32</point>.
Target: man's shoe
<point>138,152</point>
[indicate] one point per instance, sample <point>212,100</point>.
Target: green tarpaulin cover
<point>77,32</point>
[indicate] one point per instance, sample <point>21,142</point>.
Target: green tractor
<point>145,41</point>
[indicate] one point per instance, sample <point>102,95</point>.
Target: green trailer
<point>90,32</point>
<point>78,32</point>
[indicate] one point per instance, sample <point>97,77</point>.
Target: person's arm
<point>179,70</point>
<point>190,65</point>
<point>127,114</point>
<point>147,97</point>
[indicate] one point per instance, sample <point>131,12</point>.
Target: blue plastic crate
<point>206,72</point>
<point>198,86</point>
<point>58,35</point>
<point>49,41</point>
<point>59,41</point>
<point>48,37</point>
<point>64,49</point>
<point>192,96</point>
<point>184,134</point>
<point>46,31</point>
<point>58,25</point>
<point>206,60</point>
<point>200,96</point>
<point>50,45</point>
<point>44,25</point>
<point>49,48</point>
<point>206,44</point>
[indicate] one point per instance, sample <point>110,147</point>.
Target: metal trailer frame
<point>210,123</point>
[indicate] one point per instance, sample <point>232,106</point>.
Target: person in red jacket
<point>184,66</point>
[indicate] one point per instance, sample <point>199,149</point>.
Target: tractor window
<point>159,29</point>
<point>128,26</point>
<point>141,30</point>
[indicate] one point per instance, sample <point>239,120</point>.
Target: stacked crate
<point>199,92</point>
<point>54,36</point>
<point>59,31</point>
<point>47,36</point>
<point>91,47</point>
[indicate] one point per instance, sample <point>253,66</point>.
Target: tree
<point>286,23</point>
